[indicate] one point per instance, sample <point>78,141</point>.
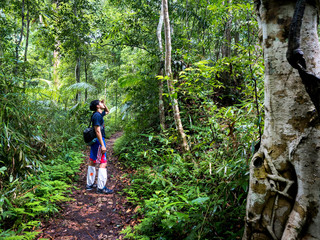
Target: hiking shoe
<point>104,190</point>
<point>90,187</point>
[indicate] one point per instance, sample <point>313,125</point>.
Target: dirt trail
<point>91,215</point>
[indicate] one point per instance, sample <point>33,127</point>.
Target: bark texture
<point>284,194</point>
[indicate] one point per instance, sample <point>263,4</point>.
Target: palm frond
<point>43,80</point>
<point>82,86</point>
<point>129,80</point>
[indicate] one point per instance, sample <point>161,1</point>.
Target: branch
<point>125,44</point>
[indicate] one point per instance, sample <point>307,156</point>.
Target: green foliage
<point>140,93</point>
<point>200,195</point>
<point>39,158</point>
<point>21,203</point>
<point>217,71</point>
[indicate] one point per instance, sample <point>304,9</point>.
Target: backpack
<point>89,134</point>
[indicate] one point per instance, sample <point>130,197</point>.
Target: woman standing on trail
<point>98,149</point>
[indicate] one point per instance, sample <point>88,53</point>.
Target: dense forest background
<point>58,55</point>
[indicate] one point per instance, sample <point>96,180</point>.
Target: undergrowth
<point>24,204</point>
<point>39,158</point>
<point>198,195</point>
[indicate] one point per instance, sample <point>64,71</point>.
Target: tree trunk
<point>20,38</point>
<point>86,76</point>
<point>226,45</point>
<point>56,58</point>
<point>283,199</point>
<point>116,117</point>
<point>77,73</point>
<point>161,105</point>
<point>168,71</point>
<point>28,31</point>
<point>26,45</point>
<point>237,39</point>
<point>159,30</point>
<point>226,75</point>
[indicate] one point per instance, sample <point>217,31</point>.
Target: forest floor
<point>91,215</point>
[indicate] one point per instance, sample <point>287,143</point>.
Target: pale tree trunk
<point>20,38</point>
<point>168,71</point>
<point>116,117</point>
<point>27,43</point>
<point>28,32</point>
<point>56,58</point>
<point>284,194</point>
<point>105,86</point>
<point>159,30</point>
<point>161,105</point>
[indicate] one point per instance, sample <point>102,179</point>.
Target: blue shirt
<point>97,120</point>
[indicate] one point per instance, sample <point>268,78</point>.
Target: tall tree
<point>283,200</point>
<point>20,36</point>
<point>168,71</point>
<point>77,76</point>
<point>56,57</point>
<point>161,105</point>
<point>28,32</point>
<point>226,45</point>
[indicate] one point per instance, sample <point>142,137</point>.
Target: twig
<point>87,232</point>
<point>125,44</point>
<point>28,191</point>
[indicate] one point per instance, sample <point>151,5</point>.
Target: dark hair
<point>93,105</point>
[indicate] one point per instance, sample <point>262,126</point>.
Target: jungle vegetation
<point>58,55</point>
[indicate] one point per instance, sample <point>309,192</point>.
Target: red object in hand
<point>99,155</point>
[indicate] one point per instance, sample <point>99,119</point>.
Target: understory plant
<point>197,195</point>
<point>200,194</point>
<point>39,158</point>
<point>23,204</point>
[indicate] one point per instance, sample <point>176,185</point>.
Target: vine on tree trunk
<point>296,59</point>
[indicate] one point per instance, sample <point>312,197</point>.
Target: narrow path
<point>91,215</point>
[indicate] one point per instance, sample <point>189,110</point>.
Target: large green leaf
<point>129,80</point>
